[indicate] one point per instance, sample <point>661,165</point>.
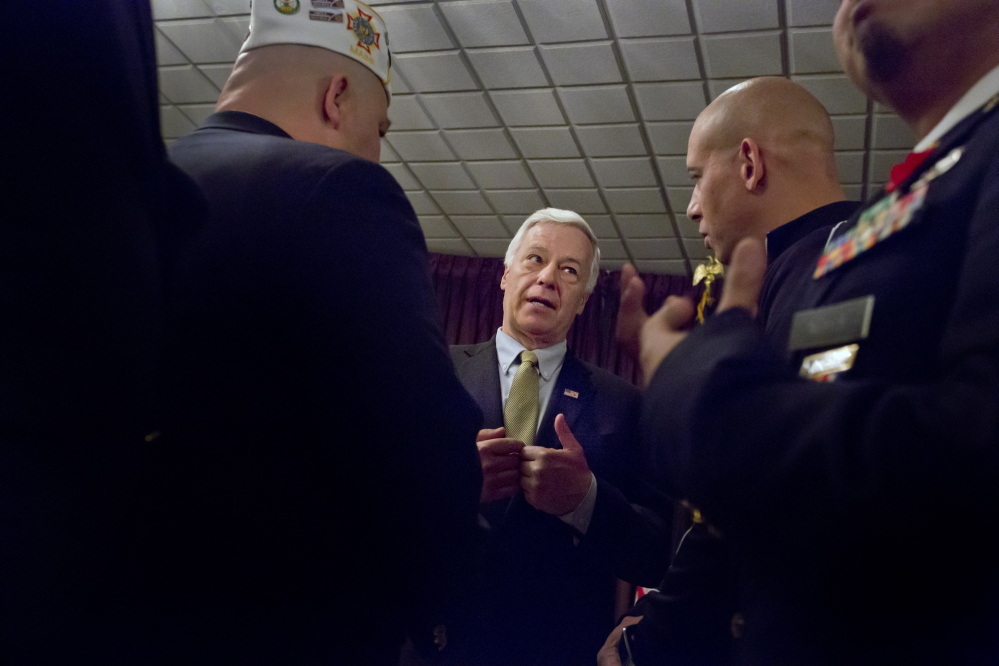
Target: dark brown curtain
<point>472,307</point>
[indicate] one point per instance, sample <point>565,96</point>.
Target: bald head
<point>761,155</point>
<point>779,114</point>
<point>311,93</point>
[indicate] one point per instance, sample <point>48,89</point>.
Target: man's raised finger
<point>744,276</point>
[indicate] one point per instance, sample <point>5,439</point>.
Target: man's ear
<point>752,169</point>
<point>333,100</point>
<point>506,271</point>
<point>583,305</point>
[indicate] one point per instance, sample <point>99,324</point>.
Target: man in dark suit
<point>862,506</point>
<point>319,500</point>
<point>566,505</point>
<point>761,158</point>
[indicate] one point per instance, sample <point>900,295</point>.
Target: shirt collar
<point>788,234</point>
<point>549,359</point>
<point>977,95</point>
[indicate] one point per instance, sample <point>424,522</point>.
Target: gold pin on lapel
<point>572,394</point>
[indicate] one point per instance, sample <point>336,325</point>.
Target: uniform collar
<point>549,359</point>
<point>788,234</point>
<point>976,96</point>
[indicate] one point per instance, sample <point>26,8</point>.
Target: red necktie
<point>900,172</point>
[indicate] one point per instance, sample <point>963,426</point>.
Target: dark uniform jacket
<point>692,616</point>
<point>861,511</point>
<point>542,599</point>
<point>321,482</point>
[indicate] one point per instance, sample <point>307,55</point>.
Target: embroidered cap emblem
<point>361,26</point>
<point>287,7</point>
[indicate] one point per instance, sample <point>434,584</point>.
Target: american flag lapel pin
<point>571,393</point>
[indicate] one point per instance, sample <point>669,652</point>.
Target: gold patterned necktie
<point>521,414</point>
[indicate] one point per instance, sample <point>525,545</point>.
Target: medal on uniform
<point>886,217</point>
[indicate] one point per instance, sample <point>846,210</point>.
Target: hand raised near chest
<point>555,480</point>
<point>500,458</point>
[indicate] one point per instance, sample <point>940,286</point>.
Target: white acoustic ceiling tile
<point>612,248</point>
<point>648,18</point>
<point>696,250</point>
<point>674,171</point>
<point>508,68</point>
<point>449,246</point>
<point>422,203</point>
<point>407,114</point>
<point>481,226</point>
<point>544,142</point>
<point>178,9</point>
<point>442,175</point>
<point>424,146</point>
<point>810,12</point>
<point>612,264</point>
<point>850,167</point>
<point>563,21</point>
<point>436,226</point>
<point>849,132</point>
<point>435,72</point>
<point>390,2</point>
<point>812,51</point>
<point>635,200</point>
<point>881,163</point>
<point>167,53</point>
<point>198,113</point>
<point>186,85</point>
<point>581,64</point>
<point>398,85</point>
<point>489,247</point>
<point>624,172</point>
<point>669,138</point>
<point>415,28</point>
<point>516,202</point>
<point>581,201</point>
<point>854,192</point>
<point>645,226</point>
<point>611,140</point>
<point>528,107</point>
<point>670,101</point>
<point>227,7</point>
<point>202,40</point>
<point>688,228</point>
<point>462,203</point>
<point>601,225</point>
<point>238,28</point>
<point>510,174</point>
<point>459,110</point>
<point>742,55</point>
<point>561,173</point>
<point>217,74</point>
<point>388,153</point>
<point>602,104</point>
<point>655,248</point>
<point>481,144</point>
<point>679,198</point>
<point>890,131</point>
<point>484,22</point>
<point>173,123</point>
<point>835,92</point>
<point>657,267</point>
<point>672,59</point>
<point>729,16</point>
<point>403,176</point>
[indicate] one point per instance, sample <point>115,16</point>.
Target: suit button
<point>738,624</point>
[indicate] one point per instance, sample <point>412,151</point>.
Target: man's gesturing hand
<point>608,655</point>
<point>500,458</point>
<point>555,480</point>
<point>631,311</point>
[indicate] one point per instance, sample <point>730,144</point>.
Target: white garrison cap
<point>347,27</point>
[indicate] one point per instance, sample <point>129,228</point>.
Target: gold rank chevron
<point>522,407</point>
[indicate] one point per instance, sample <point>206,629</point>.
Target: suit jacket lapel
<point>572,377</point>
<point>480,375</point>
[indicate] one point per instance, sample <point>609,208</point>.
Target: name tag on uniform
<point>825,366</point>
<point>830,325</point>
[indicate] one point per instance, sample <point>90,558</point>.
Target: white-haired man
<point>320,501</point>
<point>562,494</point>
